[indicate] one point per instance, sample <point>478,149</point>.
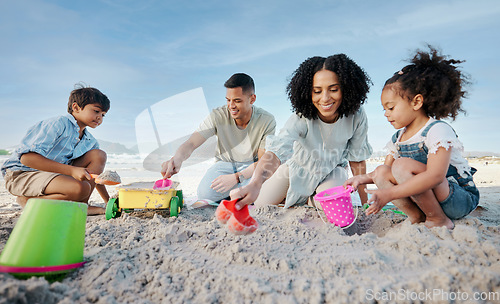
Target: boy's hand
<point>224,183</point>
<point>170,168</point>
<point>80,174</point>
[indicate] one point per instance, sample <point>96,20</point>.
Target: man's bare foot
<point>22,200</point>
<point>446,222</point>
<point>94,210</point>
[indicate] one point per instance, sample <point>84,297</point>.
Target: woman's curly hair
<point>354,85</point>
<point>437,79</point>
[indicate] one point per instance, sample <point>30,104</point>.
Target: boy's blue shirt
<point>56,139</point>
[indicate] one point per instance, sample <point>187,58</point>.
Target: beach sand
<point>147,257</point>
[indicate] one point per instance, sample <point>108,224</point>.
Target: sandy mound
<point>293,257</point>
<point>147,257</point>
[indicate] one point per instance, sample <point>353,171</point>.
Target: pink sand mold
<point>337,205</point>
<point>238,222</point>
<point>162,184</point>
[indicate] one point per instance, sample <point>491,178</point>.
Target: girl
<point>424,173</point>
<point>328,130</point>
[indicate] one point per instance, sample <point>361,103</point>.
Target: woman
<point>327,131</point>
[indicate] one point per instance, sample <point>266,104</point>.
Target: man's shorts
<point>28,183</point>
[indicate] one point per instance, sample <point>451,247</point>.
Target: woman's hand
<point>353,181</point>
<point>358,180</point>
<point>247,195</point>
<point>224,183</point>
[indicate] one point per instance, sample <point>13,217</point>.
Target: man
<point>241,129</point>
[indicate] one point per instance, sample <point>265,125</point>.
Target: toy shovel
<point>162,184</point>
<point>238,222</point>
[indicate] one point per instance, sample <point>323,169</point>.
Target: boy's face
<point>239,104</point>
<point>90,116</point>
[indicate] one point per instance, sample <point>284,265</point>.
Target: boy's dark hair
<point>354,85</point>
<point>437,79</point>
<point>241,80</point>
<point>86,95</point>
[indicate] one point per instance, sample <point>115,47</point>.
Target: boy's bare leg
<point>383,178</point>
<point>428,201</point>
<point>102,192</point>
<point>65,187</point>
<point>94,161</point>
<point>22,200</point>
<point>91,210</point>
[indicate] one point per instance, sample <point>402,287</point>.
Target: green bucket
<point>48,233</point>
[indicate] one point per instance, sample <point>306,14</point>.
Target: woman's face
<point>326,95</point>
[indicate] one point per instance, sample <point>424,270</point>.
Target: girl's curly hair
<point>354,85</point>
<point>437,79</point>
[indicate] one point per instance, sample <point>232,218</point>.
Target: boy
<point>57,155</point>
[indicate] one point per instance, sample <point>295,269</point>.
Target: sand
<point>147,257</point>
<point>110,175</point>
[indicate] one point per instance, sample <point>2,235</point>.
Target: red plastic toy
<point>238,222</point>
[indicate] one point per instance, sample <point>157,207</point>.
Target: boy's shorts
<point>28,183</point>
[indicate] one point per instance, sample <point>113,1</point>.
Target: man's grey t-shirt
<point>235,144</point>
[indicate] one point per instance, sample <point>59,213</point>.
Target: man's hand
<point>224,183</point>
<point>170,168</point>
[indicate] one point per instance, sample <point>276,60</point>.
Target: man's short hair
<point>241,80</point>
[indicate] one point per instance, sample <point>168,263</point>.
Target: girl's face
<point>400,112</point>
<point>326,95</point>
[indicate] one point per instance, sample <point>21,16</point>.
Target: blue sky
<point>140,52</point>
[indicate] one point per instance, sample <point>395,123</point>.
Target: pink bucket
<point>337,205</point>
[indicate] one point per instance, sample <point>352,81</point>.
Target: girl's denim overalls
<point>463,197</point>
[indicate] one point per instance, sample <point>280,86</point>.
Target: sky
<point>141,52</point>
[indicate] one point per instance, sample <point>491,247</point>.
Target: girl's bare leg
<point>383,178</point>
<point>428,201</point>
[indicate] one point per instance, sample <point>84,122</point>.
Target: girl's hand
<point>224,183</point>
<point>247,195</point>
<point>379,198</point>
